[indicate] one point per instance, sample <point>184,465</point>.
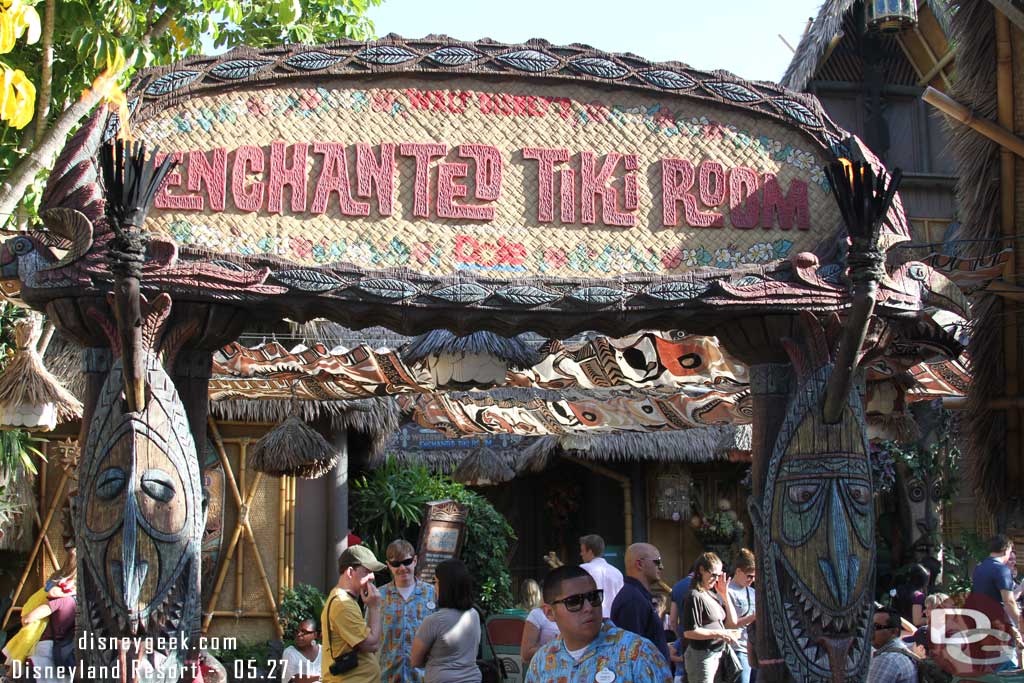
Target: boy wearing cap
<point>342,624</point>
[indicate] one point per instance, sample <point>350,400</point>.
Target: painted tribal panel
<point>815,527</point>
<point>458,414</point>
<point>141,524</point>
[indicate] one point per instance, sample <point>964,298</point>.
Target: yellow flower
<point>17,98</point>
<point>17,18</point>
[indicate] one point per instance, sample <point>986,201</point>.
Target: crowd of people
<point>587,622</point>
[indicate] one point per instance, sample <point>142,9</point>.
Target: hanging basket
<point>293,449</point>
<point>31,397</point>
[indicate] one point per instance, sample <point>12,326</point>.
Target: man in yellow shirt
<point>343,626</point>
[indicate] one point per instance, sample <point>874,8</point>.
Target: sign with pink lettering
<point>321,158</point>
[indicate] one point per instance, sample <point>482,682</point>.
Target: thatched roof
<point>436,342</point>
<point>827,26</point>
<point>378,418</point>
<point>977,195</point>
<point>701,445</point>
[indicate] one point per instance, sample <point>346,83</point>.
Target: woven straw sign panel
<point>526,215</point>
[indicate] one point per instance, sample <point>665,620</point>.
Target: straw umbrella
<point>293,449</point>
<point>31,397</point>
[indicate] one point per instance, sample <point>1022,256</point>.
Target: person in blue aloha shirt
<point>590,649</point>
<point>406,603</point>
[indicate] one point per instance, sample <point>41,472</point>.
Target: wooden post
<point>240,563</point>
<point>337,509</point>
<point>769,389</point>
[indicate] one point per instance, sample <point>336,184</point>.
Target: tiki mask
<point>920,492</point>
<point>141,523</point>
<point>816,530</point>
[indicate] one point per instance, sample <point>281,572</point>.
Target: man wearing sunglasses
<point>406,602</point>
<point>633,608</point>
<point>589,649</point>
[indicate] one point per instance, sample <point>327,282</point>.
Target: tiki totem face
<point>817,531</point>
<point>920,494</point>
<point>141,505</point>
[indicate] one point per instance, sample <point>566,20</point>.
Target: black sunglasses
<point>574,603</point>
<point>402,563</point>
<point>305,633</point>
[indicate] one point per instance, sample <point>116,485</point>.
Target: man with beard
<point>590,649</point>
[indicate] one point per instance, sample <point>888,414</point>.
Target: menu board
<point>441,535</point>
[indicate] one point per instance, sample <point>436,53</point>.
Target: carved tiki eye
<point>802,494</point>
<point>110,483</point>
<point>22,246</point>
<point>158,485</point>
<point>937,491</point>
<point>859,493</point>
<point>916,490</point>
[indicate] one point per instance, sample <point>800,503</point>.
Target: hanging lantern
<point>890,16</point>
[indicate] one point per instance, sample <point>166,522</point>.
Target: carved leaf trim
<point>597,295</point>
<point>453,55</point>
<point>388,288</point>
<point>308,280</point>
<point>463,293</point>
<point>168,83</point>
<point>312,61</point>
<point>237,69</point>
<point>670,80</point>
<point>528,295</point>
<point>731,91</point>
<point>604,68</point>
<point>677,291</point>
<point>533,61</point>
<point>797,111</point>
<point>386,54</point>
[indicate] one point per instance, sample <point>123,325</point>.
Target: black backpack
<point>927,670</point>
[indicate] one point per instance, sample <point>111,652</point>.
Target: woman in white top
<point>537,632</point>
<point>301,662</point>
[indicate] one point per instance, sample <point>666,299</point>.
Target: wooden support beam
<point>993,131</point>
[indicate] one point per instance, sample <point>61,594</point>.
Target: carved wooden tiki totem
<point>815,530</point>
<point>141,520</point>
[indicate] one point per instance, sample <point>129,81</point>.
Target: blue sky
<point>741,36</point>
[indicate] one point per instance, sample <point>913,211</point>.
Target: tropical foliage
<point>388,504</point>
<point>53,51</point>
<point>298,604</point>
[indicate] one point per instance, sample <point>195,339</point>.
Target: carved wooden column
<point>769,392</point>
<point>813,517</point>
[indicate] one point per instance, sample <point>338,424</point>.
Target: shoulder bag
<point>342,663</point>
<point>491,670</point>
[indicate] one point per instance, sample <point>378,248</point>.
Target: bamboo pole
<point>240,563</point>
<point>46,541</point>
<point>259,564</point>
<point>38,544</point>
<point>292,494</point>
<point>243,515</point>
<point>246,615</point>
<point>931,55</point>
<point>1007,172</point>
<point>993,131</point>
<point>1012,13</point>
<point>282,522</point>
<point>939,66</point>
